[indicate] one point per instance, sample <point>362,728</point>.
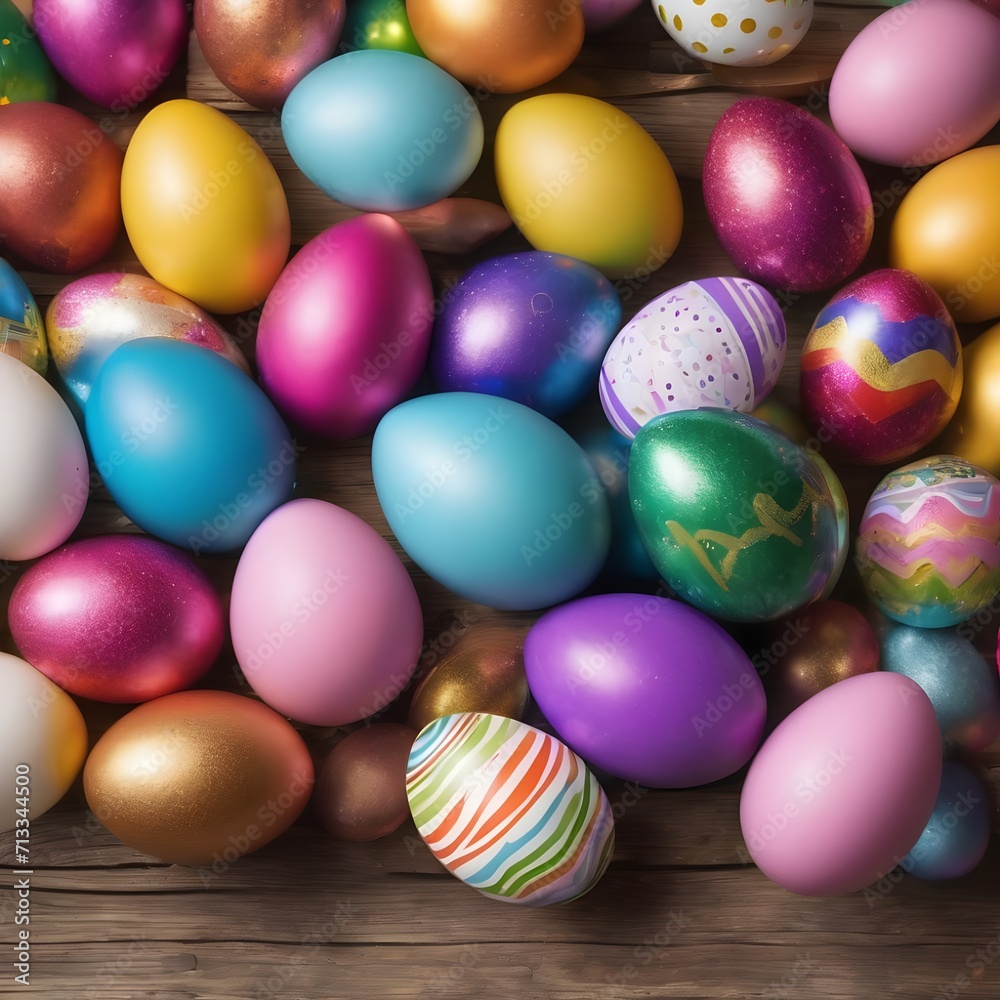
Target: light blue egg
<point>382,130</point>
<point>491,499</point>
<point>188,445</point>
<point>22,332</point>
<point>958,832</point>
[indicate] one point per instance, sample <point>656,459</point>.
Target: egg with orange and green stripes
<point>740,33</point>
<point>508,809</point>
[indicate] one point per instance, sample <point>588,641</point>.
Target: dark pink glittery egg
<point>786,197</point>
<point>122,618</point>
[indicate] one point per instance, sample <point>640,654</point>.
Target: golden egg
<point>199,777</point>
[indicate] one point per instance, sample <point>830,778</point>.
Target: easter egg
<point>198,778</point>
<point>123,618</point>
<point>25,71</point>
<point>785,196</point>
<point>46,479</point>
<point>753,33</point>
<point>325,622</point>
<point>361,785</point>
<point>601,14</point>
<point>646,688</point>
<point>491,499</point>
<point>115,53</point>
<point>881,368</point>
<point>581,178</point>
<point>885,105</point>
<point>483,671</point>
<point>378,24</point>
<point>963,687</point>
<point>502,46</point>
<point>928,549</point>
<point>508,809</point>
<point>188,446</point>
<point>344,333</point>
<point>22,332</point>
<point>43,746</point>
<point>738,519</point>
<point>382,130</point>
<point>61,197</point>
<point>947,231</point>
<point>261,50</point>
<point>91,316</point>
<point>713,342</point>
<point>531,327</point>
<point>958,832</point>
<point>204,209</point>
<point>842,789</point>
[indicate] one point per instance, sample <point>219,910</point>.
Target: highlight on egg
<point>22,331</point>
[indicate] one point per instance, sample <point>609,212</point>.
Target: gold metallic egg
<point>482,672</point>
<point>199,777</point>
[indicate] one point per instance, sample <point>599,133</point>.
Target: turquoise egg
<point>22,332</point>
<point>491,499</point>
<point>188,445</point>
<point>382,130</point>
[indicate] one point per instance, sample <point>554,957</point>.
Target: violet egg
<point>787,199</point>
<point>121,618</point>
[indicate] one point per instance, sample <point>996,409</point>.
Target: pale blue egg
<point>491,499</point>
<point>383,131</point>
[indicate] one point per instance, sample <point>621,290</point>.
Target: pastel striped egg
<point>929,545</point>
<point>508,809</point>
<point>714,342</point>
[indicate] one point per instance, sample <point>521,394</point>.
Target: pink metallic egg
<point>787,199</point>
<point>345,331</point>
<point>121,618</point>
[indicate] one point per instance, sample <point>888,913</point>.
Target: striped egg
<point>929,545</point>
<point>508,809</point>
<point>714,342</point>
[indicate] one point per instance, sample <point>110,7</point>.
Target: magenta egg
<point>116,52</point>
<point>121,618</point>
<point>345,331</point>
<point>786,197</point>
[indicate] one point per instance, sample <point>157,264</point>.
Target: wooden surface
<point>681,913</point>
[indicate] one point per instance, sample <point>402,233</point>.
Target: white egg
<point>44,482</point>
<point>736,32</point>
<point>43,742</point>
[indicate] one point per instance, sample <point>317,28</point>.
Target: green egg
<point>379,24</point>
<point>25,71</point>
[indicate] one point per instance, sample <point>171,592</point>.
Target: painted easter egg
<point>25,71</point>
<point>738,519</point>
<point>928,549</point>
<point>378,24</point>
<point>713,342</point>
<point>881,368</point>
<point>785,196</point>
<point>842,789</point>
<point>22,332</point>
<point>531,327</point>
<point>92,316</point>
<point>645,688</point>
<point>508,809</point>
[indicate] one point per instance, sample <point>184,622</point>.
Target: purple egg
<point>116,52</point>
<point>645,688</point>
<point>122,618</point>
<point>786,197</point>
<point>532,327</point>
<point>601,14</point>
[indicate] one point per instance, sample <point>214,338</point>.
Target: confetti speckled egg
<point>749,33</point>
<point>22,332</point>
<point>713,342</point>
<point>929,545</point>
<point>508,809</point>
<point>881,368</point>
<point>92,316</point>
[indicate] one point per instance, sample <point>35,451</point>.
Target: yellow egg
<point>203,207</point>
<point>947,231</point>
<point>581,178</point>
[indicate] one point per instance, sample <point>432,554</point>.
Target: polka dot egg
<point>746,33</point>
<point>714,342</point>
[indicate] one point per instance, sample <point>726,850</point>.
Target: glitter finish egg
<point>92,316</point>
<point>22,332</point>
<point>713,342</point>
<point>929,545</point>
<point>881,368</point>
<point>508,809</point>
<point>25,71</point>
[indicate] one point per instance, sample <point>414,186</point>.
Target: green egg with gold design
<point>25,71</point>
